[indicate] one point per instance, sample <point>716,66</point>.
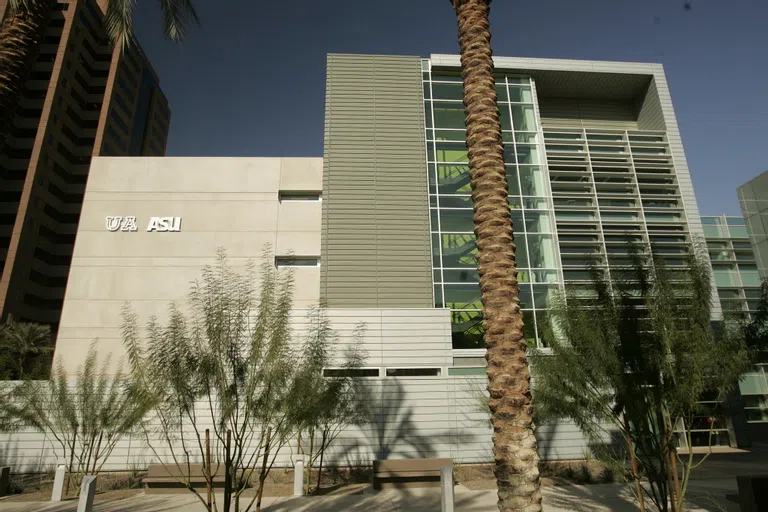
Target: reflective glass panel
<point>451,152</point>
<point>520,94</point>
<point>456,221</point>
<point>450,91</point>
<point>453,179</point>
<point>532,180</point>
<point>448,114</point>
<point>458,250</point>
<point>462,296</point>
<point>523,117</point>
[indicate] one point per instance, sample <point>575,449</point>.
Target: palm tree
<point>23,346</point>
<point>22,30</point>
<point>20,34</point>
<point>514,444</point>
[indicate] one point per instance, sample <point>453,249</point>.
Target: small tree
<point>85,419</point>
<point>330,400</point>
<point>25,350</point>
<point>233,359</point>
<point>636,355</point>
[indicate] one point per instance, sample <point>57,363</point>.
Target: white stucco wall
<point>223,202</point>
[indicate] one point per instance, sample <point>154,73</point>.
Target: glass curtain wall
<point>455,276</point>
<point>738,285</point>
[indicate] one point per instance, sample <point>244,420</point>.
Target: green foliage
<point>85,417</point>
<point>25,350</point>
<point>636,355</point>
<point>325,405</point>
<point>177,16</point>
<point>231,360</point>
<point>118,20</point>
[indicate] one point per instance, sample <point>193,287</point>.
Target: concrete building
<point>380,228</point>
<point>753,198</point>
<point>83,99</point>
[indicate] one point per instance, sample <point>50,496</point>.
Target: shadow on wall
<point>29,460</point>
<point>392,431</point>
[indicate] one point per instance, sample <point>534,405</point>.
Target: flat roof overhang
<point>583,79</point>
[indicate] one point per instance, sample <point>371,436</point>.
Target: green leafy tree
<point>25,350</point>
<point>635,356</point>
<point>232,360</point>
<point>329,401</point>
<point>83,418</point>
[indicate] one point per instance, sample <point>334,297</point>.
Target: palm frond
<point>177,16</point>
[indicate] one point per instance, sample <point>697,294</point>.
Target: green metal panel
<point>376,246</point>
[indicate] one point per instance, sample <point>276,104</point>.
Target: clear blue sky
<point>250,81</point>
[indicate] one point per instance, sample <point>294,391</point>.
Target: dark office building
<point>84,98</point>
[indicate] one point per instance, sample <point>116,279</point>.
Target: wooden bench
<point>399,474</point>
<point>168,479</point>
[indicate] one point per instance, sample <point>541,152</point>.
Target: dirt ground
<point>279,482</point>
<point>479,477</point>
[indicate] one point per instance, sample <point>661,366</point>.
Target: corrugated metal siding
<point>376,245</point>
<point>651,117</point>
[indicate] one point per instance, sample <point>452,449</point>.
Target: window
<point>299,196</point>
<point>413,372</point>
<point>600,137</point>
<point>350,372</point>
<point>467,370</point>
<point>712,227</point>
<point>520,94</point>
<point>725,275</point>
<point>448,91</point>
<point>297,261</point>
<point>448,114</point>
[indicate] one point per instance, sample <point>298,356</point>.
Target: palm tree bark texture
<point>20,34</point>
<point>514,444</point>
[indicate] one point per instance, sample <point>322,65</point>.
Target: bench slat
<point>410,464</point>
<point>406,474</point>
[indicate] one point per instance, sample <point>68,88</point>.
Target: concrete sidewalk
<point>569,498</point>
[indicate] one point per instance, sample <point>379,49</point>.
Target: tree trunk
<point>227,473</point>
<point>514,444</point>
<point>635,469</point>
<point>71,462</point>
<point>208,481</point>
<point>320,466</point>
<point>20,37</point>
<point>263,471</point>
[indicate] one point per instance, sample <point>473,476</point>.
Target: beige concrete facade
<point>230,203</point>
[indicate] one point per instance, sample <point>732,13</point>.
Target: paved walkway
<point>570,498</point>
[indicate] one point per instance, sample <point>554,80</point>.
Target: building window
<point>467,370</point>
<point>299,196</point>
<point>413,372</point>
<point>350,372</point>
<point>297,261</point>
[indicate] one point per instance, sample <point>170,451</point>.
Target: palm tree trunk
<point>514,444</point>
<point>20,35</point>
